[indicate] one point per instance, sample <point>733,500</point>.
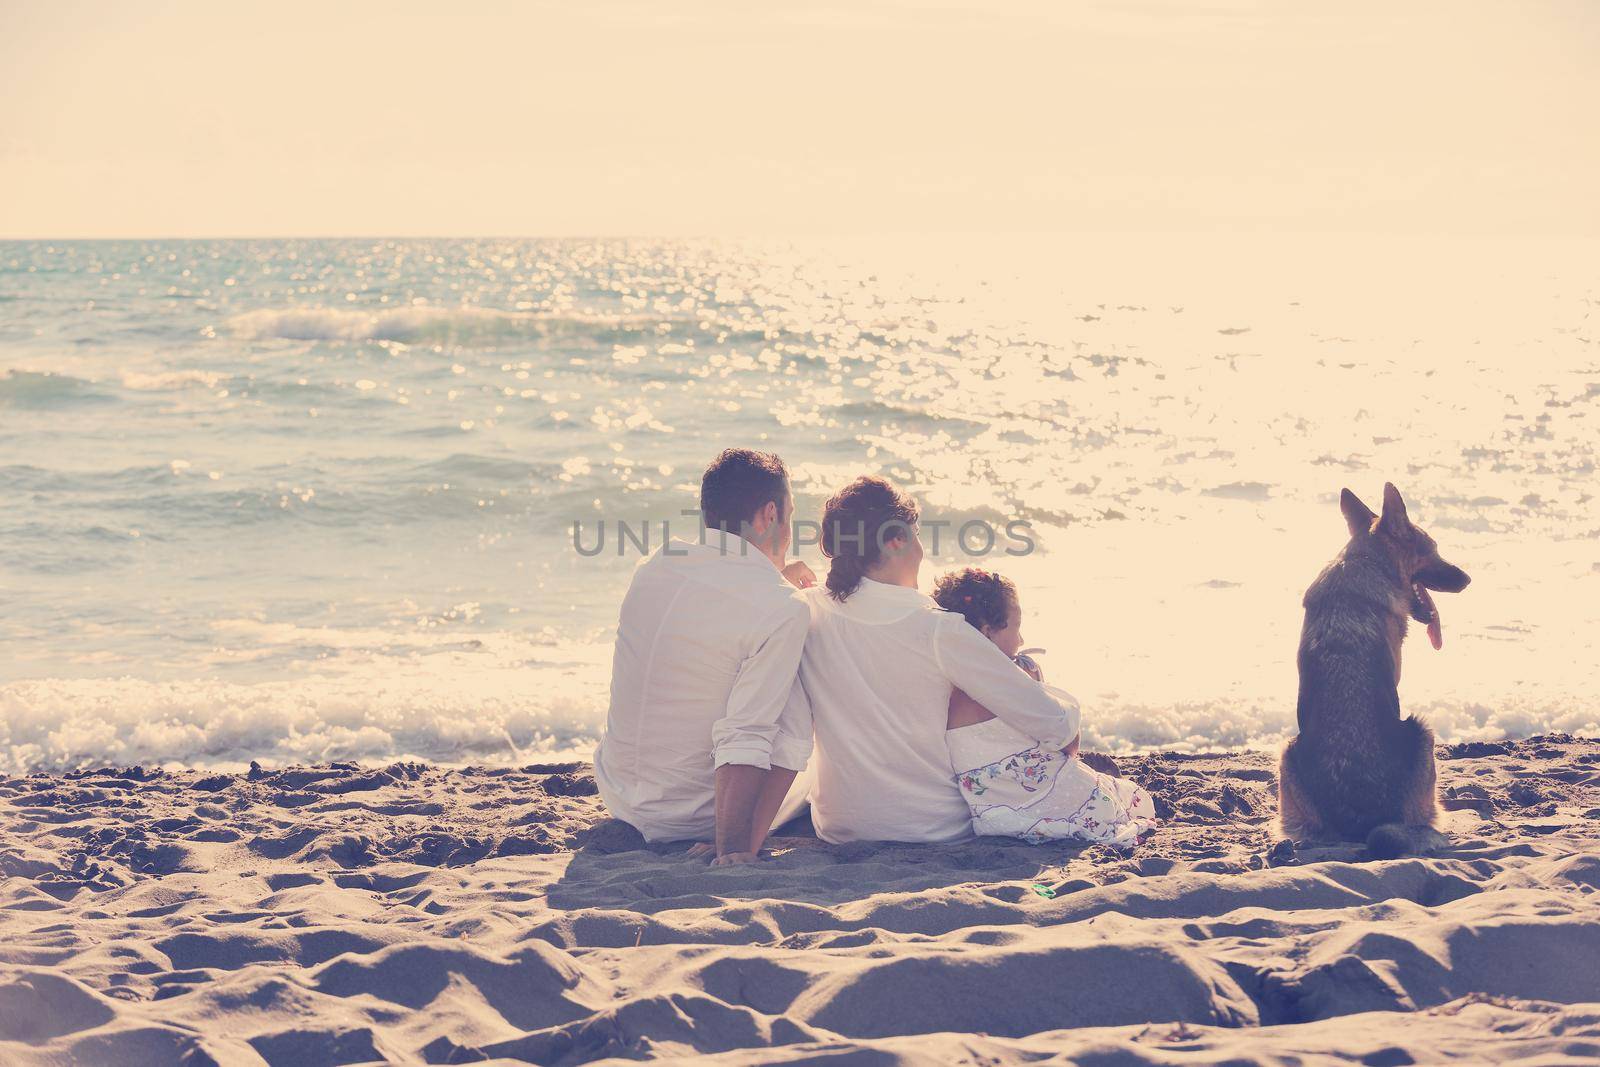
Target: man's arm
<point>745,741</point>
<point>770,793</point>
<point>739,787</point>
<point>791,749</point>
<point>774,787</point>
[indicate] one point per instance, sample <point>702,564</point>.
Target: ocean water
<point>316,499</point>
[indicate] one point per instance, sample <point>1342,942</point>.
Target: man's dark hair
<point>739,483</point>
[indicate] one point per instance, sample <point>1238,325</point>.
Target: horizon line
<point>1236,232</point>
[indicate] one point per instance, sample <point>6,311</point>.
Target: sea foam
<point>74,723</point>
<point>431,325</point>
<point>464,717</point>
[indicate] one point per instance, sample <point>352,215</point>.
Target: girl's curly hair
<point>983,598</point>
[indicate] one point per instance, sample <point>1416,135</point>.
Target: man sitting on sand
<point>695,745</point>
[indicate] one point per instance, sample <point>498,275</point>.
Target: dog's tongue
<point>1435,630</point>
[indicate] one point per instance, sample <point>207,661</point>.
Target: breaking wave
<point>169,381</point>
<point>63,724</point>
<point>465,326</point>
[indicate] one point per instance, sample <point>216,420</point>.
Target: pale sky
<point>616,117</point>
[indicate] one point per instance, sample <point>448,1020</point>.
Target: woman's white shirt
<point>877,673</point>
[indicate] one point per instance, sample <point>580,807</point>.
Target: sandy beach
<point>412,914</point>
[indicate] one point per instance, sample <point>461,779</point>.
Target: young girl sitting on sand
<point>1015,786</point>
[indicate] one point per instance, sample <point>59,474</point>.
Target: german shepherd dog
<point>1358,770</point>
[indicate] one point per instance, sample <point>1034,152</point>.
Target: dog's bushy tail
<point>1393,840</point>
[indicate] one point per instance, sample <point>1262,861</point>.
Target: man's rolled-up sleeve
<point>791,749</point>
<point>750,731</point>
<point>976,666</point>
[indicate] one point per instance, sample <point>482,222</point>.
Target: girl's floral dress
<point>1015,788</point>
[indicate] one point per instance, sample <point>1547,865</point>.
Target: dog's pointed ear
<point>1357,515</point>
<point>1394,520</point>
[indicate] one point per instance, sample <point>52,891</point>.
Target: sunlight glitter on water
<point>238,474</point>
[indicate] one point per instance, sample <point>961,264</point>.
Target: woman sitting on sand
<point>880,664</point>
<point>1016,786</point>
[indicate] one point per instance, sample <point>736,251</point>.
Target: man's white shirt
<point>708,644</point>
